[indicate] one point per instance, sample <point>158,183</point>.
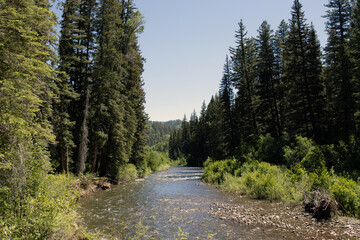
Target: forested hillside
<point>75,105</point>
<point>158,134</point>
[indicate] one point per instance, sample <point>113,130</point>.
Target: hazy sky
<point>186,41</point>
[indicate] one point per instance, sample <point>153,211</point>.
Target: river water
<point>165,201</point>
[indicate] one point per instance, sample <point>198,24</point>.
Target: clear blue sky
<point>186,41</point>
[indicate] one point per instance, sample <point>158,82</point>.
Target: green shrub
<point>127,172</point>
<point>347,193</point>
<point>179,162</point>
<point>48,213</point>
<point>270,149</point>
<point>263,180</point>
<point>157,161</point>
<point>304,152</point>
<point>321,178</point>
<point>215,171</point>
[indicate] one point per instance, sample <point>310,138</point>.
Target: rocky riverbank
<point>291,221</point>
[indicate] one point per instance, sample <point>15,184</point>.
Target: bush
<point>263,180</point>
<point>304,152</point>
<point>270,149</point>
<point>49,213</point>
<point>179,162</point>
<point>215,171</point>
<point>127,172</point>
<point>347,193</point>
<point>157,161</point>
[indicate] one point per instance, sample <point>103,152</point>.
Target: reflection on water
<point>163,202</point>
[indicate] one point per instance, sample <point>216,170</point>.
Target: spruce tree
<point>26,83</point>
<point>300,81</point>
<point>354,48</point>
<point>268,84</point>
<point>63,125</point>
<point>279,48</point>
<point>227,98</point>
<point>244,74</point>
<point>338,70</point>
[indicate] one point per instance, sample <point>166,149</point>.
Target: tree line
<point>71,104</point>
<point>282,84</point>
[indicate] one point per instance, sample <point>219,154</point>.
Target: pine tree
<point>227,98</point>
<point>300,81</point>
<point>338,70</point>
<point>354,48</point>
<point>26,83</point>
<point>243,59</point>
<point>63,125</point>
<point>279,48</point>
<point>215,142</point>
<point>268,85</point>
<point>85,54</point>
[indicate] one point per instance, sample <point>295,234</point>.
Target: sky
<point>185,44</point>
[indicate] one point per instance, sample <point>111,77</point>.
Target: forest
<point>68,106</point>
<point>284,102</point>
<point>284,124</point>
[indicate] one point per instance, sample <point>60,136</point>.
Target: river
<point>165,201</point>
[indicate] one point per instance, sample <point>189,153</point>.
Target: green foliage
<point>49,213</point>
<point>304,152</point>
<point>216,171</point>
<point>263,180</point>
<point>178,162</point>
<point>347,193</point>
<point>127,172</point>
<point>157,161</point>
<point>321,178</point>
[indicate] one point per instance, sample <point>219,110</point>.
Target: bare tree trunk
<point>83,148</point>
<point>93,167</point>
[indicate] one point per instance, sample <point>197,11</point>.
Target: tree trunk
<point>80,166</point>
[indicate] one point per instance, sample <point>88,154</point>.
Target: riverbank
<point>261,216</point>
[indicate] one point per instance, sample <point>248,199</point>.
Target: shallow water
<point>166,201</point>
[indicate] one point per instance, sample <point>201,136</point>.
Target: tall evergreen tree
<point>354,47</point>
<point>279,48</point>
<point>227,98</point>
<point>268,84</point>
<point>26,83</point>
<point>301,117</point>
<point>243,59</point>
<point>62,120</point>
<point>84,53</point>
<point>338,70</point>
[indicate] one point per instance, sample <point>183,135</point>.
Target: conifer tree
<point>227,98</point>
<point>301,116</point>
<point>268,84</point>
<point>279,48</point>
<point>338,70</point>
<point>63,125</point>
<point>243,59</point>
<point>26,83</point>
<point>354,48</point>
